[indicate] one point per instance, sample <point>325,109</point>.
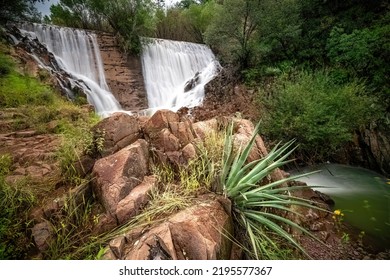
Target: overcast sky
<point>44,7</point>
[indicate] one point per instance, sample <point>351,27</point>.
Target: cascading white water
<point>175,72</point>
<point>77,53</point>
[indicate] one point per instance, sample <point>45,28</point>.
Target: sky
<point>44,7</point>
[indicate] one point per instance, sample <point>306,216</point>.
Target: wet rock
<point>116,175</point>
<point>191,83</point>
<point>118,131</point>
<point>123,73</point>
<point>42,235</point>
<point>132,204</point>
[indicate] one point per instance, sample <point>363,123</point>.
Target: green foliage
<point>6,65</point>
<point>5,164</point>
<point>363,53</point>
<point>186,21</point>
<point>12,10</point>
<point>17,90</point>
<point>232,30</point>
<point>130,19</point>
<point>77,140</point>
<point>319,113</point>
<point>71,226</point>
<point>254,205</point>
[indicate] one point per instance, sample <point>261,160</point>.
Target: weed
<point>345,238</point>
<point>15,202</point>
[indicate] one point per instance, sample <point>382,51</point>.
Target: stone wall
<point>123,74</point>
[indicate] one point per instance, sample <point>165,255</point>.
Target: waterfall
<point>77,53</point>
<point>175,72</point>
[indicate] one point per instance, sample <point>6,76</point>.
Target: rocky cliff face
<point>123,74</point>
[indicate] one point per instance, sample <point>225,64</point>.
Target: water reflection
<point>363,195</point>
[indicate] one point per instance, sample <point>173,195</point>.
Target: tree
<point>232,30</point>
<point>199,17</point>
<point>12,10</point>
<point>128,18</point>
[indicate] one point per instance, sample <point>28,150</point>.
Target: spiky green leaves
<point>255,204</point>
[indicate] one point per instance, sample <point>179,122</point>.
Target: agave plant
<point>254,205</point>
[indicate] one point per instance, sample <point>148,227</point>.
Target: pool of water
<point>361,194</point>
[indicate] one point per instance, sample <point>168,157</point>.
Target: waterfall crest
<point>176,72</point>
<point>77,53</point>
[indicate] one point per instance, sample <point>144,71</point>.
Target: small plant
<point>345,238</point>
<point>338,218</point>
<point>254,205</point>
<point>94,144</point>
<point>361,237</point>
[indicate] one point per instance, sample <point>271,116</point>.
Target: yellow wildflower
<point>337,212</point>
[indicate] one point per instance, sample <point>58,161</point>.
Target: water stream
<point>176,72</point>
<point>361,194</point>
<point>77,53</point>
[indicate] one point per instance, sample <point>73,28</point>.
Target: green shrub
<point>321,114</point>
<point>6,65</point>
<point>254,205</point>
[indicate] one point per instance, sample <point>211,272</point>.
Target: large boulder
<point>200,232</point>
<point>165,141</point>
<point>116,175</point>
<point>132,204</point>
<point>118,131</point>
<point>169,135</point>
<point>183,131</point>
<point>204,128</point>
<point>160,120</point>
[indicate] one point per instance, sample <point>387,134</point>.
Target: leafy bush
<point>321,114</point>
<point>5,65</point>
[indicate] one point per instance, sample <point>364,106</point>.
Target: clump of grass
<point>77,140</point>
<point>257,207</point>
<point>17,90</point>
<point>72,226</point>
<point>15,202</point>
